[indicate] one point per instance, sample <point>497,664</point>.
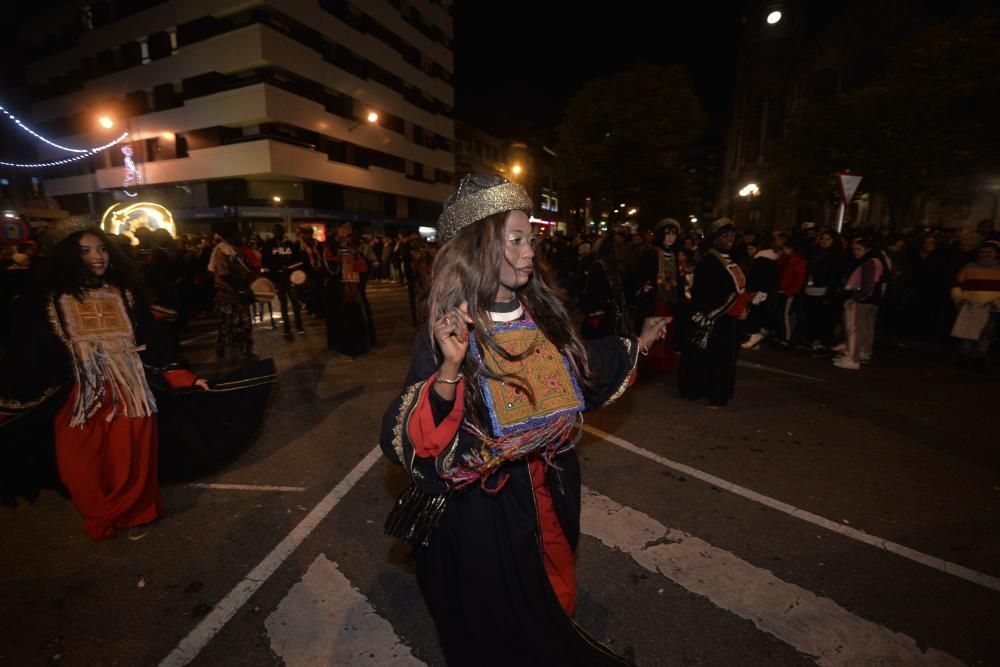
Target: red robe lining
<point>429,440</point>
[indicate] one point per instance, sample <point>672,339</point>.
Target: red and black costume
<point>497,570</point>
<point>81,386</point>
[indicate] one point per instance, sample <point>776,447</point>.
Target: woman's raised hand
<point>451,331</point>
<point>653,329</point>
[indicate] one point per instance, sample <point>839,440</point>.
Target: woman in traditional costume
<point>660,291</point>
<point>347,325</point>
<point>718,300</point>
<point>90,340</point>
<point>485,425</point>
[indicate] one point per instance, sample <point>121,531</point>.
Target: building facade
<point>532,164</point>
<point>302,110</point>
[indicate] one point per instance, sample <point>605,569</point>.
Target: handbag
<point>415,515</point>
<point>702,330</point>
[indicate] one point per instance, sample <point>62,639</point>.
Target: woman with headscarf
<point>486,424</point>
<point>660,291</point>
<point>718,300</point>
<point>90,341</point>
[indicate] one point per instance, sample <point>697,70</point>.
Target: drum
<point>298,277</point>
<point>263,290</point>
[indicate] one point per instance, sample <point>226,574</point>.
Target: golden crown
<point>470,207</point>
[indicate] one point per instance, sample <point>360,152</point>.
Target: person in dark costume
<point>660,292</point>
<point>485,425</point>
<point>603,302</point>
<point>347,328</point>
<point>718,300</point>
<point>82,385</point>
<point>232,274</point>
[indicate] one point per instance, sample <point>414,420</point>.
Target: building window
<point>173,39</point>
<point>554,204</point>
<point>144,51</point>
<point>545,202</point>
<point>87,18</point>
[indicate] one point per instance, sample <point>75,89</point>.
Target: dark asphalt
<point>905,449</point>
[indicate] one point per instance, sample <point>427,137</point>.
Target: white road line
<point>324,620</point>
<point>771,369</point>
<point>247,487</point>
<point>198,638</point>
<point>812,625</point>
<point>960,571</point>
<point>188,341</point>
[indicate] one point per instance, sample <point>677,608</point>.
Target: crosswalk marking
<point>813,625</point>
<point>245,487</point>
<point>954,569</point>
<point>324,620</point>
<point>198,638</point>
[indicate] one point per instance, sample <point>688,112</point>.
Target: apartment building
<point>257,110</point>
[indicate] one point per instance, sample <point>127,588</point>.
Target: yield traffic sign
<point>848,185</point>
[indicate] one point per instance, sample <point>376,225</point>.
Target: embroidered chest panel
<point>100,316</point>
<point>554,390</point>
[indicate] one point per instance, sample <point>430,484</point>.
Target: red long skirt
<point>109,468</point>
<point>661,359</point>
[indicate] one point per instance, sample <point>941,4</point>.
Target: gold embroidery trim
<point>18,405</point>
<point>397,430</point>
<point>631,349</point>
<point>449,457</point>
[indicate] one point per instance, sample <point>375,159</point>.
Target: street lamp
<point>516,169</point>
<point>106,122</point>
<point>372,118</point>
<point>749,190</point>
<point>277,199</point>
<point>773,17</point>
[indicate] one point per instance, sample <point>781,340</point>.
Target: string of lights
<point>27,129</point>
<point>95,150</point>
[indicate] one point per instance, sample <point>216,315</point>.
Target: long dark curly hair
<point>68,274</point>
<point>467,270</point>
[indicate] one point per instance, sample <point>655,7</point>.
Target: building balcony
<point>255,159</point>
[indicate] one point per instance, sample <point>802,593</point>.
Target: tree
<point>620,136</point>
<point>925,128</point>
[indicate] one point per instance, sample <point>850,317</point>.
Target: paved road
<point>826,516</point>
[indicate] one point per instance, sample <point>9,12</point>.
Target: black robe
<point>710,372</point>
<point>482,573</point>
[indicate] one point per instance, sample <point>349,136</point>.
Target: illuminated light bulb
<point>773,17</point>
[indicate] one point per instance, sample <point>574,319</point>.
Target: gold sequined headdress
<point>57,232</point>
<point>479,196</point>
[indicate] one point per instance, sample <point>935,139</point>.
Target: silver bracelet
<point>456,380</point>
<point>643,350</point>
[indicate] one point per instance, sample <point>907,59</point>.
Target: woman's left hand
<point>653,329</point>
<point>201,383</point>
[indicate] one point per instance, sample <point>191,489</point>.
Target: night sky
<point>518,63</point>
